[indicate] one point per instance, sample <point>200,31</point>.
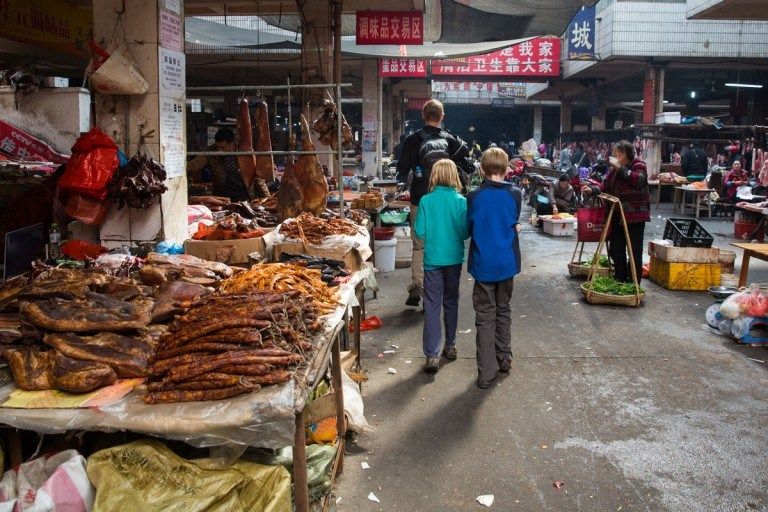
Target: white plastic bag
<point>48,484</point>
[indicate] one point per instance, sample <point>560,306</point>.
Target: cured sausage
<point>185,395</point>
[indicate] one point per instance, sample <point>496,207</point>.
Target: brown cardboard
<point>351,257</point>
<point>684,254</point>
<point>240,249</point>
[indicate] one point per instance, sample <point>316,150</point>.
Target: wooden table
<point>759,251</point>
<point>659,184</point>
<point>698,194</point>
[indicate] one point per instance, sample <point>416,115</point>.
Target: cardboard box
<point>231,252</point>
<point>684,254</point>
<point>351,257</point>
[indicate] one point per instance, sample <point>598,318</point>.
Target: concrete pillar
<point>653,93</point>
<point>371,121</point>
<point>388,105</point>
<point>154,32</point>
<point>565,116</point>
<point>538,121</point>
<point>598,119</point>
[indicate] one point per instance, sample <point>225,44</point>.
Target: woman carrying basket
<point>627,179</point>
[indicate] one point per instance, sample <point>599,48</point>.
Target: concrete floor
<point>633,409</point>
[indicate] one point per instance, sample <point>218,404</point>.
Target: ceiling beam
<point>276,7</point>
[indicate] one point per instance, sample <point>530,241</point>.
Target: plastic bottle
<point>54,242</point>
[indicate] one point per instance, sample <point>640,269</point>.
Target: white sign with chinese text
<point>172,135</point>
<point>172,70</point>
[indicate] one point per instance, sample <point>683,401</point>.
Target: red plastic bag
<point>86,209</point>
<point>369,324</point>
<point>79,249</point>
<point>90,169</point>
<point>591,222</point>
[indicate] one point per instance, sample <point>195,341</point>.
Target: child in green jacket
<point>442,224</point>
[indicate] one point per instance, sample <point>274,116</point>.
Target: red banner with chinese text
<point>403,68</point>
<point>417,103</point>
<point>22,146</point>
<point>538,57</point>
<point>389,27</point>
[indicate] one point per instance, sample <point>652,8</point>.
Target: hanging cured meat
<point>247,163</point>
<point>325,126</point>
<point>265,164</point>
<point>304,187</point>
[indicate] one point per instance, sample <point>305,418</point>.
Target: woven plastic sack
<point>146,475</point>
<point>90,168</point>
<point>48,484</point>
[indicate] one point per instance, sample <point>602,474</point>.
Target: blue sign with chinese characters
<point>581,35</point>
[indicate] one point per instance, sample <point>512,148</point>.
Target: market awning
<point>203,36</point>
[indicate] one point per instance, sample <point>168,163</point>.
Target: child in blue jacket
<point>442,224</point>
<point>493,214</point>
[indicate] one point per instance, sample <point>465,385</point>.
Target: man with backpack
<point>420,152</point>
<point>695,161</point>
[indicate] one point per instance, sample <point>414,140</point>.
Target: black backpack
<point>432,149</point>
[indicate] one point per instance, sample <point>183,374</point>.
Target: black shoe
<point>484,384</point>
<point>413,300</point>
<point>505,364</point>
<point>449,352</point>
<point>432,365</point>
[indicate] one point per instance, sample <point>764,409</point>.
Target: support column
<point>538,120</point>
<point>653,103</point>
<point>598,118</point>
<point>565,116</point>
<point>389,125</point>
<point>317,62</point>
<point>153,123</point>
<point>371,121</point>
<point>653,93</point>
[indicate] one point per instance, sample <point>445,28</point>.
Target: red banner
<point>536,57</point>
<point>417,103</point>
<point>22,146</point>
<point>404,68</point>
<point>389,27</point>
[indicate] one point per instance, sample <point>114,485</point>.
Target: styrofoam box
<point>560,227</point>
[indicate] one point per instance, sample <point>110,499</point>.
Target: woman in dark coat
<point>627,179</point>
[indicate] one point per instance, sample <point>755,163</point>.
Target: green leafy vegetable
<point>604,284</point>
<point>604,261</point>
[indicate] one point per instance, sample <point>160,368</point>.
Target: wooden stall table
<point>759,251</point>
<point>659,184</point>
<point>698,194</point>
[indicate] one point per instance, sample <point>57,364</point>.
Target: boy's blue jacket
<point>493,212</point>
<point>442,224</point>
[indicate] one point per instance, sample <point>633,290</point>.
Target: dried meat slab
<point>127,355</point>
<point>76,376</point>
<point>32,369</point>
<point>94,313</point>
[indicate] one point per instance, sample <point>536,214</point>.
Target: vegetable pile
<point>603,262</point>
<point>610,286</point>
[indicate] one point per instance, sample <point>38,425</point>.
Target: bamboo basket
<point>607,299</point>
<point>581,269</point>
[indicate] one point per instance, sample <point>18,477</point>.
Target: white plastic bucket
<point>385,254</point>
<point>404,252</point>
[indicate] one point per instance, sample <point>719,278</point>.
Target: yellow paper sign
<point>53,399</point>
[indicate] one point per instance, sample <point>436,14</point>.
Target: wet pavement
<point>631,408</point>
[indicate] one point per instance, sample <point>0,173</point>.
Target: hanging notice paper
<point>172,5</point>
<point>172,73</point>
<point>170,31</point>
<point>172,136</point>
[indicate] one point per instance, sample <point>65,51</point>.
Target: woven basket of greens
<point>607,291</point>
<point>581,268</point>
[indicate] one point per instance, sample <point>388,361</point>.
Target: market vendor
<point>627,179</point>
<point>736,177</point>
<point>562,196</point>
<point>226,177</point>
